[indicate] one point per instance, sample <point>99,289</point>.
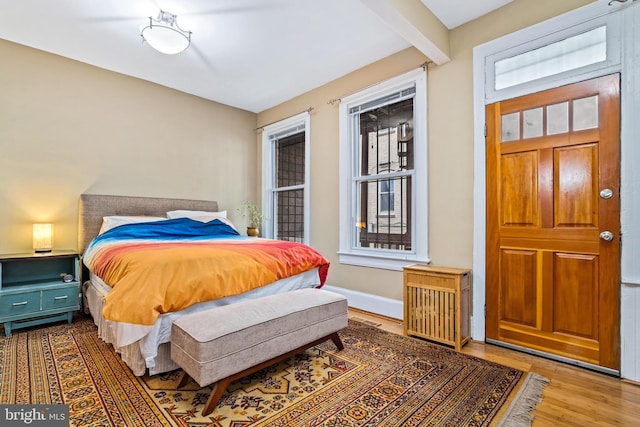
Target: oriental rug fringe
<point>379,379</point>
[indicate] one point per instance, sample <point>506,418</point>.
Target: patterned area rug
<point>379,379</point>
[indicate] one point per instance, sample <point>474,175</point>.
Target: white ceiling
<point>250,54</point>
<point>453,13</point>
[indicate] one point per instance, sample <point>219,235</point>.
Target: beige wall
<point>68,128</point>
<point>450,120</point>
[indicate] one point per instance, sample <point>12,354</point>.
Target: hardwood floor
<point>574,396</point>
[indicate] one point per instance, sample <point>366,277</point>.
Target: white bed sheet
<point>121,335</point>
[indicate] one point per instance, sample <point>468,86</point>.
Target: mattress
<point>151,352</point>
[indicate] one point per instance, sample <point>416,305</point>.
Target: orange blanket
<point>154,277</point>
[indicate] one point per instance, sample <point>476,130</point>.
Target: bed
<point>146,348</point>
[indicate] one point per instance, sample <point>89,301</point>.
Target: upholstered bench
<point>229,342</point>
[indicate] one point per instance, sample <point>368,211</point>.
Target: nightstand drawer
<point>59,298</point>
<point>15,304</point>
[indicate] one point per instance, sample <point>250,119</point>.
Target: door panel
<point>576,192</point>
<point>519,278</point>
<point>552,282</point>
<point>519,192</point>
<point>576,284</point>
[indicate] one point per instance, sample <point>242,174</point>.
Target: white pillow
<point>211,218</point>
<point>109,222</point>
<point>196,214</point>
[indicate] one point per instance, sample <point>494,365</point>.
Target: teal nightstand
<point>32,289</point>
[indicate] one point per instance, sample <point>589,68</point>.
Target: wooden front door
<point>553,178</point>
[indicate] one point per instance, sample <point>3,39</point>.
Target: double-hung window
<point>285,177</point>
<point>383,167</point>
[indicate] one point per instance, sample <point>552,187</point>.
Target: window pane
<point>290,160</point>
<point>510,127</point>
<point>558,118</point>
<point>568,54</point>
<point>290,212</point>
<point>386,196</point>
<point>532,123</point>
<point>386,139</point>
<point>585,113</point>
<point>384,214</point>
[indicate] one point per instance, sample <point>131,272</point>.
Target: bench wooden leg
<point>216,393</point>
<point>337,341</point>
<point>221,386</point>
<point>183,380</point>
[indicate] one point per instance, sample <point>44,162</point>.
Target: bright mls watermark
<point>34,415</point>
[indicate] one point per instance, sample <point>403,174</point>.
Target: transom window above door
<point>565,55</point>
<point>553,59</point>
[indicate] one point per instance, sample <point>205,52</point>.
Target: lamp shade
<point>42,237</point>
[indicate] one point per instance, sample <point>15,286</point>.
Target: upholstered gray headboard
<point>95,206</point>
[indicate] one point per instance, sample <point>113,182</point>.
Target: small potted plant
<point>254,217</point>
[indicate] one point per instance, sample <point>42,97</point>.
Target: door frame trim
<point>630,274</point>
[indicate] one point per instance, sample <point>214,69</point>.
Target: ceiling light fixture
<point>164,35</point>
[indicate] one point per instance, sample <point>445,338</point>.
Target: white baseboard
<point>372,303</point>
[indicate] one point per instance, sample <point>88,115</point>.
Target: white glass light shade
<point>42,237</point>
<point>164,35</point>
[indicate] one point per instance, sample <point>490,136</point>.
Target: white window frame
<point>385,259</point>
<point>295,124</point>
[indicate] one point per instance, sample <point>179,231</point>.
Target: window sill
<point>381,261</point>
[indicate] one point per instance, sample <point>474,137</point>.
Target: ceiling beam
<point>416,24</point>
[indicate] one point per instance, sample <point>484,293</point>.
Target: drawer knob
<point>16,304</point>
